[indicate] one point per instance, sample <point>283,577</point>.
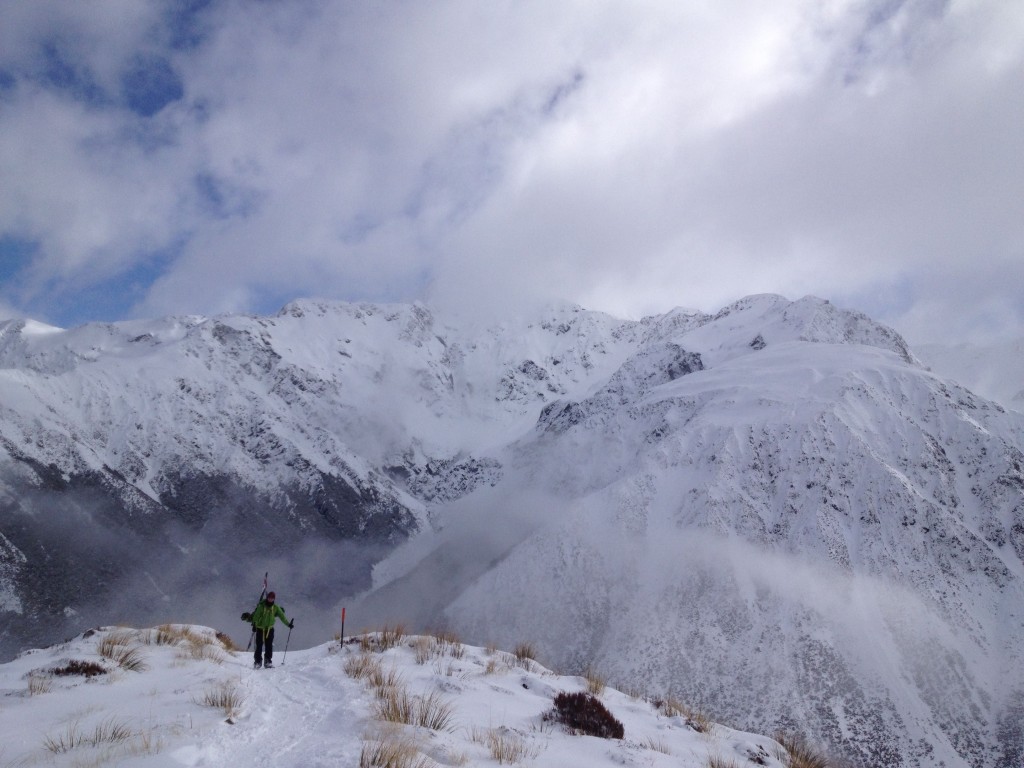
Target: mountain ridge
<point>533,474</point>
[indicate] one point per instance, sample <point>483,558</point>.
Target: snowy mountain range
<point>775,511</point>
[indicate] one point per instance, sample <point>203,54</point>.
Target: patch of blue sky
<point>7,81</point>
<point>15,254</point>
<point>149,84</point>
<point>222,199</point>
<point>183,23</point>
<point>105,301</point>
<point>62,73</point>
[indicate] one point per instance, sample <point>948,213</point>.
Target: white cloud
<point>628,157</point>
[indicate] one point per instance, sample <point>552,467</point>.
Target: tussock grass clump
<point>449,644</point>
<point>385,638</point>
<point>362,666</point>
<point>107,732</point>
<point>396,705</point>
<point>595,681</point>
<point>506,746</point>
<point>39,684</point>
<point>391,749</point>
<point>445,643</point>
<point>717,761</point>
<point>584,714</point>
<point>658,745</point>
<point>227,643</point>
<point>798,753</point>
<point>383,680</point>
<point>697,719</point>
<point>189,643</point>
<point>424,648</point>
<point>119,647</point>
<point>224,696</point>
<point>524,654</point>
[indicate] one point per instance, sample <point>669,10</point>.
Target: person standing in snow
<point>263,619</point>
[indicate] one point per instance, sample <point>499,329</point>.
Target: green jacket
<point>265,615</point>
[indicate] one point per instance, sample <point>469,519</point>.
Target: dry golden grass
<point>119,647</point>
<point>391,749</point>
<point>429,647</point>
<point>508,747</point>
<point>396,705</point>
<point>595,681</point>
<point>39,684</point>
<point>224,696</point>
<point>108,732</point>
<point>657,745</point>
<point>524,654</point>
<point>798,753</point>
<point>697,719</point>
<point>362,666</point>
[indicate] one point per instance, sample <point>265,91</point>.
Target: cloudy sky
<point>205,156</point>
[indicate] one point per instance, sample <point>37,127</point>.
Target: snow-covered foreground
<point>190,702</point>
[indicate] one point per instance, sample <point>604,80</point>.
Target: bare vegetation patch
<point>362,666</point>
<point>584,714</point>
<point>595,681</point>
<point>798,753</point>
<point>429,647</point>
<point>509,747</point>
<point>525,654</point>
<point>224,696</point>
<point>396,705</point>
<point>657,745</point>
<point>39,684</point>
<point>383,680</point>
<point>227,643</point>
<point>119,647</point>
<point>391,749</point>
<point>382,640</point>
<point>697,719</point>
<point>107,732</point>
<point>78,667</point>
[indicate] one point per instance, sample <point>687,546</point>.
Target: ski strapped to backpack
<point>248,616</point>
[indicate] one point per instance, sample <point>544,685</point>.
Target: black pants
<point>264,637</point>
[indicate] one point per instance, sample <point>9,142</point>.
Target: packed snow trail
<point>305,712</point>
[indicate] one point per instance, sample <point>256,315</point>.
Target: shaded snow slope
<point>308,712</point>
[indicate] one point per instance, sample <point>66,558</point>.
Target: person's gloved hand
<point>246,616</point>
<point>291,624</point>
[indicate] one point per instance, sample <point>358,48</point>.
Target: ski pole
<point>341,644</point>
<point>286,641</point>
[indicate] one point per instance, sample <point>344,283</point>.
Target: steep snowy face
<point>774,510</point>
<point>807,531</point>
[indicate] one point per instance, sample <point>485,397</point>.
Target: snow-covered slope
<point>775,511</point>
<point>191,702</point>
